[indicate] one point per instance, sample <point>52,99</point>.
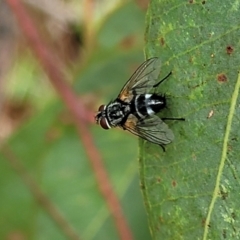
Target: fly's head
<point>112,115</point>
<point>101,117</point>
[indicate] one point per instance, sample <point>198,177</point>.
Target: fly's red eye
<point>104,123</point>
<point>101,108</point>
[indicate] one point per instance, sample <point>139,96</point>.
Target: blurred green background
<point>91,39</point>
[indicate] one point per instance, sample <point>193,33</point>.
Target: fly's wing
<point>151,128</point>
<point>142,80</point>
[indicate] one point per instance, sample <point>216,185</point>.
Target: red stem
<point>50,64</point>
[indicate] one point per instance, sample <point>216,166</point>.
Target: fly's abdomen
<point>148,104</point>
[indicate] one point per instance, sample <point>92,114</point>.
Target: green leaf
<point>191,191</point>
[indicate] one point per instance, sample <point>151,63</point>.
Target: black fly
<point>135,107</point>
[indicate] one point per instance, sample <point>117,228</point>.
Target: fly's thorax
<point>116,112</point>
<point>148,104</point>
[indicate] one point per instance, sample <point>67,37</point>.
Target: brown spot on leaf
<point>222,77</point>
<point>203,2</point>
<point>229,50</point>
<point>174,183</point>
<point>162,41</point>
<point>190,1</point>
<point>159,180</point>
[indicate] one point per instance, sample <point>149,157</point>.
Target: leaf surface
<point>191,191</point>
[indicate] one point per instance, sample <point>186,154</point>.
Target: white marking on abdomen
<point>147,96</point>
<point>147,102</point>
<point>150,111</point>
<point>136,106</point>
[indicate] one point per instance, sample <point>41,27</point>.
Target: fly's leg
<point>178,119</point>
<point>157,84</point>
<point>163,148</point>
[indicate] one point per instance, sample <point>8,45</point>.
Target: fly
<point>136,107</point>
